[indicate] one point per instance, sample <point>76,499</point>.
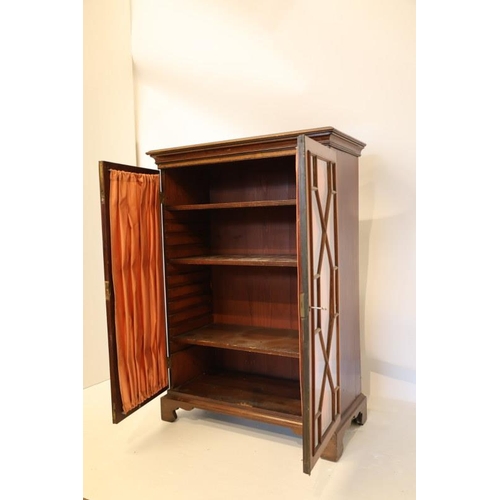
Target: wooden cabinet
<point>232,283</point>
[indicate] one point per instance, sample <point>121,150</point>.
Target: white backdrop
<point>215,70</point>
<point>108,134</point>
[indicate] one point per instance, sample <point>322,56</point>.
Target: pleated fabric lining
<point>136,258</point>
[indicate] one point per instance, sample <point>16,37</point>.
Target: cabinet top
<point>282,143</point>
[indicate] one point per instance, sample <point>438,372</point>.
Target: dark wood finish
<point>254,232</point>
<point>191,363</point>
<point>253,180</point>
<point>245,338</point>
<point>260,364</point>
<point>181,187</point>
<point>169,407</point>
<point>259,169</point>
<point>238,260</point>
<point>348,248</point>
<point>188,290</point>
<point>234,204</point>
<point>238,281</point>
<point>260,398</point>
<point>189,313</point>
<point>275,145</point>
<point>335,447</point>
<point>256,296</point>
<point>196,276</point>
<point>319,284</point>
<point>191,324</point>
<point>187,302</point>
<point>357,413</point>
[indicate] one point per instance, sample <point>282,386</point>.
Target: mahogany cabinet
<point>231,278</point>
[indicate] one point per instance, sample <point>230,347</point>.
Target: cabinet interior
<point>231,283</point>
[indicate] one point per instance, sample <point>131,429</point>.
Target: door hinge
<point>107,290</point>
<point>302,308</point>
<point>169,363</point>
<point>162,198</point>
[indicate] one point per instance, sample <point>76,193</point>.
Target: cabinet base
<point>169,407</point>
<point>265,399</point>
<point>356,413</point>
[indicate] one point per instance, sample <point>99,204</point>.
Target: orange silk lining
<point>136,259</point>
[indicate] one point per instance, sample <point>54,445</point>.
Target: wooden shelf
<point>235,204</point>
<point>273,341</point>
<point>252,396</point>
<point>239,260</point>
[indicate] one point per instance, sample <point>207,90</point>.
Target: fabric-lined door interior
<point>133,261</point>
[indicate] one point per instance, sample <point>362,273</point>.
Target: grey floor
<point>208,456</point>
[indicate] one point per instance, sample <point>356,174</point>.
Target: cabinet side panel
<point>191,363</point>
<point>348,248</point>
<point>186,234</point>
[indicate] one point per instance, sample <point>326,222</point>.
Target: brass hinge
<point>162,198</point>
<point>301,306</point>
<point>169,363</point>
<point>107,290</point>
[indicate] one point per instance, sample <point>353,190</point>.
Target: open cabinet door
<point>134,285</point>
<point>318,289</point>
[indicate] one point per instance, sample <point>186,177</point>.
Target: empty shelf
<point>239,260</point>
<point>234,204</point>
<point>278,342</point>
<point>246,395</point>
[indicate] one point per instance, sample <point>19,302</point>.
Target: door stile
<point>164,263</point>
<point>303,282</point>
<point>116,399</point>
